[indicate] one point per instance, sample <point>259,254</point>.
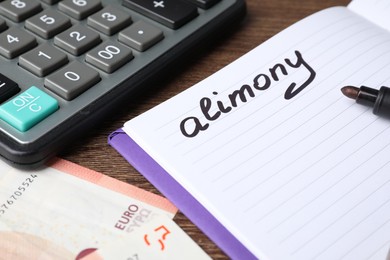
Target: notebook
<point>268,157</point>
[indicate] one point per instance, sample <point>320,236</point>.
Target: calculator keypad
<point>50,61</point>
<point>106,38</point>
<point>83,56</point>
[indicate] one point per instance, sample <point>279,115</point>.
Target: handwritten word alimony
<point>192,126</point>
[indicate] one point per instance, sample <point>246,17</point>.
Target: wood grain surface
<point>264,19</point>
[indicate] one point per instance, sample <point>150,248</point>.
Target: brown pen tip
<point>350,91</point>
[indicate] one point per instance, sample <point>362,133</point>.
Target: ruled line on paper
<point>347,192</point>
<point>354,227</point>
<point>282,53</point>
<point>383,246</point>
<point>345,213</point>
<point>339,199</point>
<point>245,118</point>
<point>193,149</point>
<point>221,176</point>
<point>231,169</point>
<point>209,168</point>
<point>309,167</point>
<point>258,184</point>
<point>374,11</point>
<point>283,152</point>
<point>347,37</point>
<point>172,133</point>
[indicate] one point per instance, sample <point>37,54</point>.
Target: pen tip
<point>350,91</point>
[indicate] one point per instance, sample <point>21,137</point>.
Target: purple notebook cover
<point>190,207</point>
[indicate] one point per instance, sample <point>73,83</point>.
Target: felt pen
<point>379,100</point>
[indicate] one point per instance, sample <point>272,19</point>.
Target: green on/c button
<point>28,109</point>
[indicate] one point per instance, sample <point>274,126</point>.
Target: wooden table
<point>264,19</point>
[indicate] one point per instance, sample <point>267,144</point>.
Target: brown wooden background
<point>264,19</point>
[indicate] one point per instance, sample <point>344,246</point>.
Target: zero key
<point>171,13</point>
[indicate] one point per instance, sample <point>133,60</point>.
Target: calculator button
<point>140,36</point>
<point>8,88</point>
<point>47,23</point>
<point>43,60</point>
<point>14,42</point>
<point>171,13</point>
<point>72,80</point>
<point>109,56</point>
<point>77,40</point>
<point>28,108</point>
<point>204,4</point>
<point>109,20</point>
<point>3,25</point>
<point>79,9</point>
<point>19,10</point>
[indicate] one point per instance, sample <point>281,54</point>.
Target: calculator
<point>64,65</point>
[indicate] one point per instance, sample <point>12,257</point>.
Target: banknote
<point>63,211</point>
<point>160,238</point>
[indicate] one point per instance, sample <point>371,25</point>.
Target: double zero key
<point>109,56</point>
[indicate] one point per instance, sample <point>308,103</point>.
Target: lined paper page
<point>376,11</point>
<point>305,177</point>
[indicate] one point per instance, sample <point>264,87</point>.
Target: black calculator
<point>65,64</point>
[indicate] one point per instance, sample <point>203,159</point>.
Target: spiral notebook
<point>268,157</point>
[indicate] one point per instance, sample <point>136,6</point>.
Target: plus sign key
<point>171,13</point>
<point>28,109</point>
